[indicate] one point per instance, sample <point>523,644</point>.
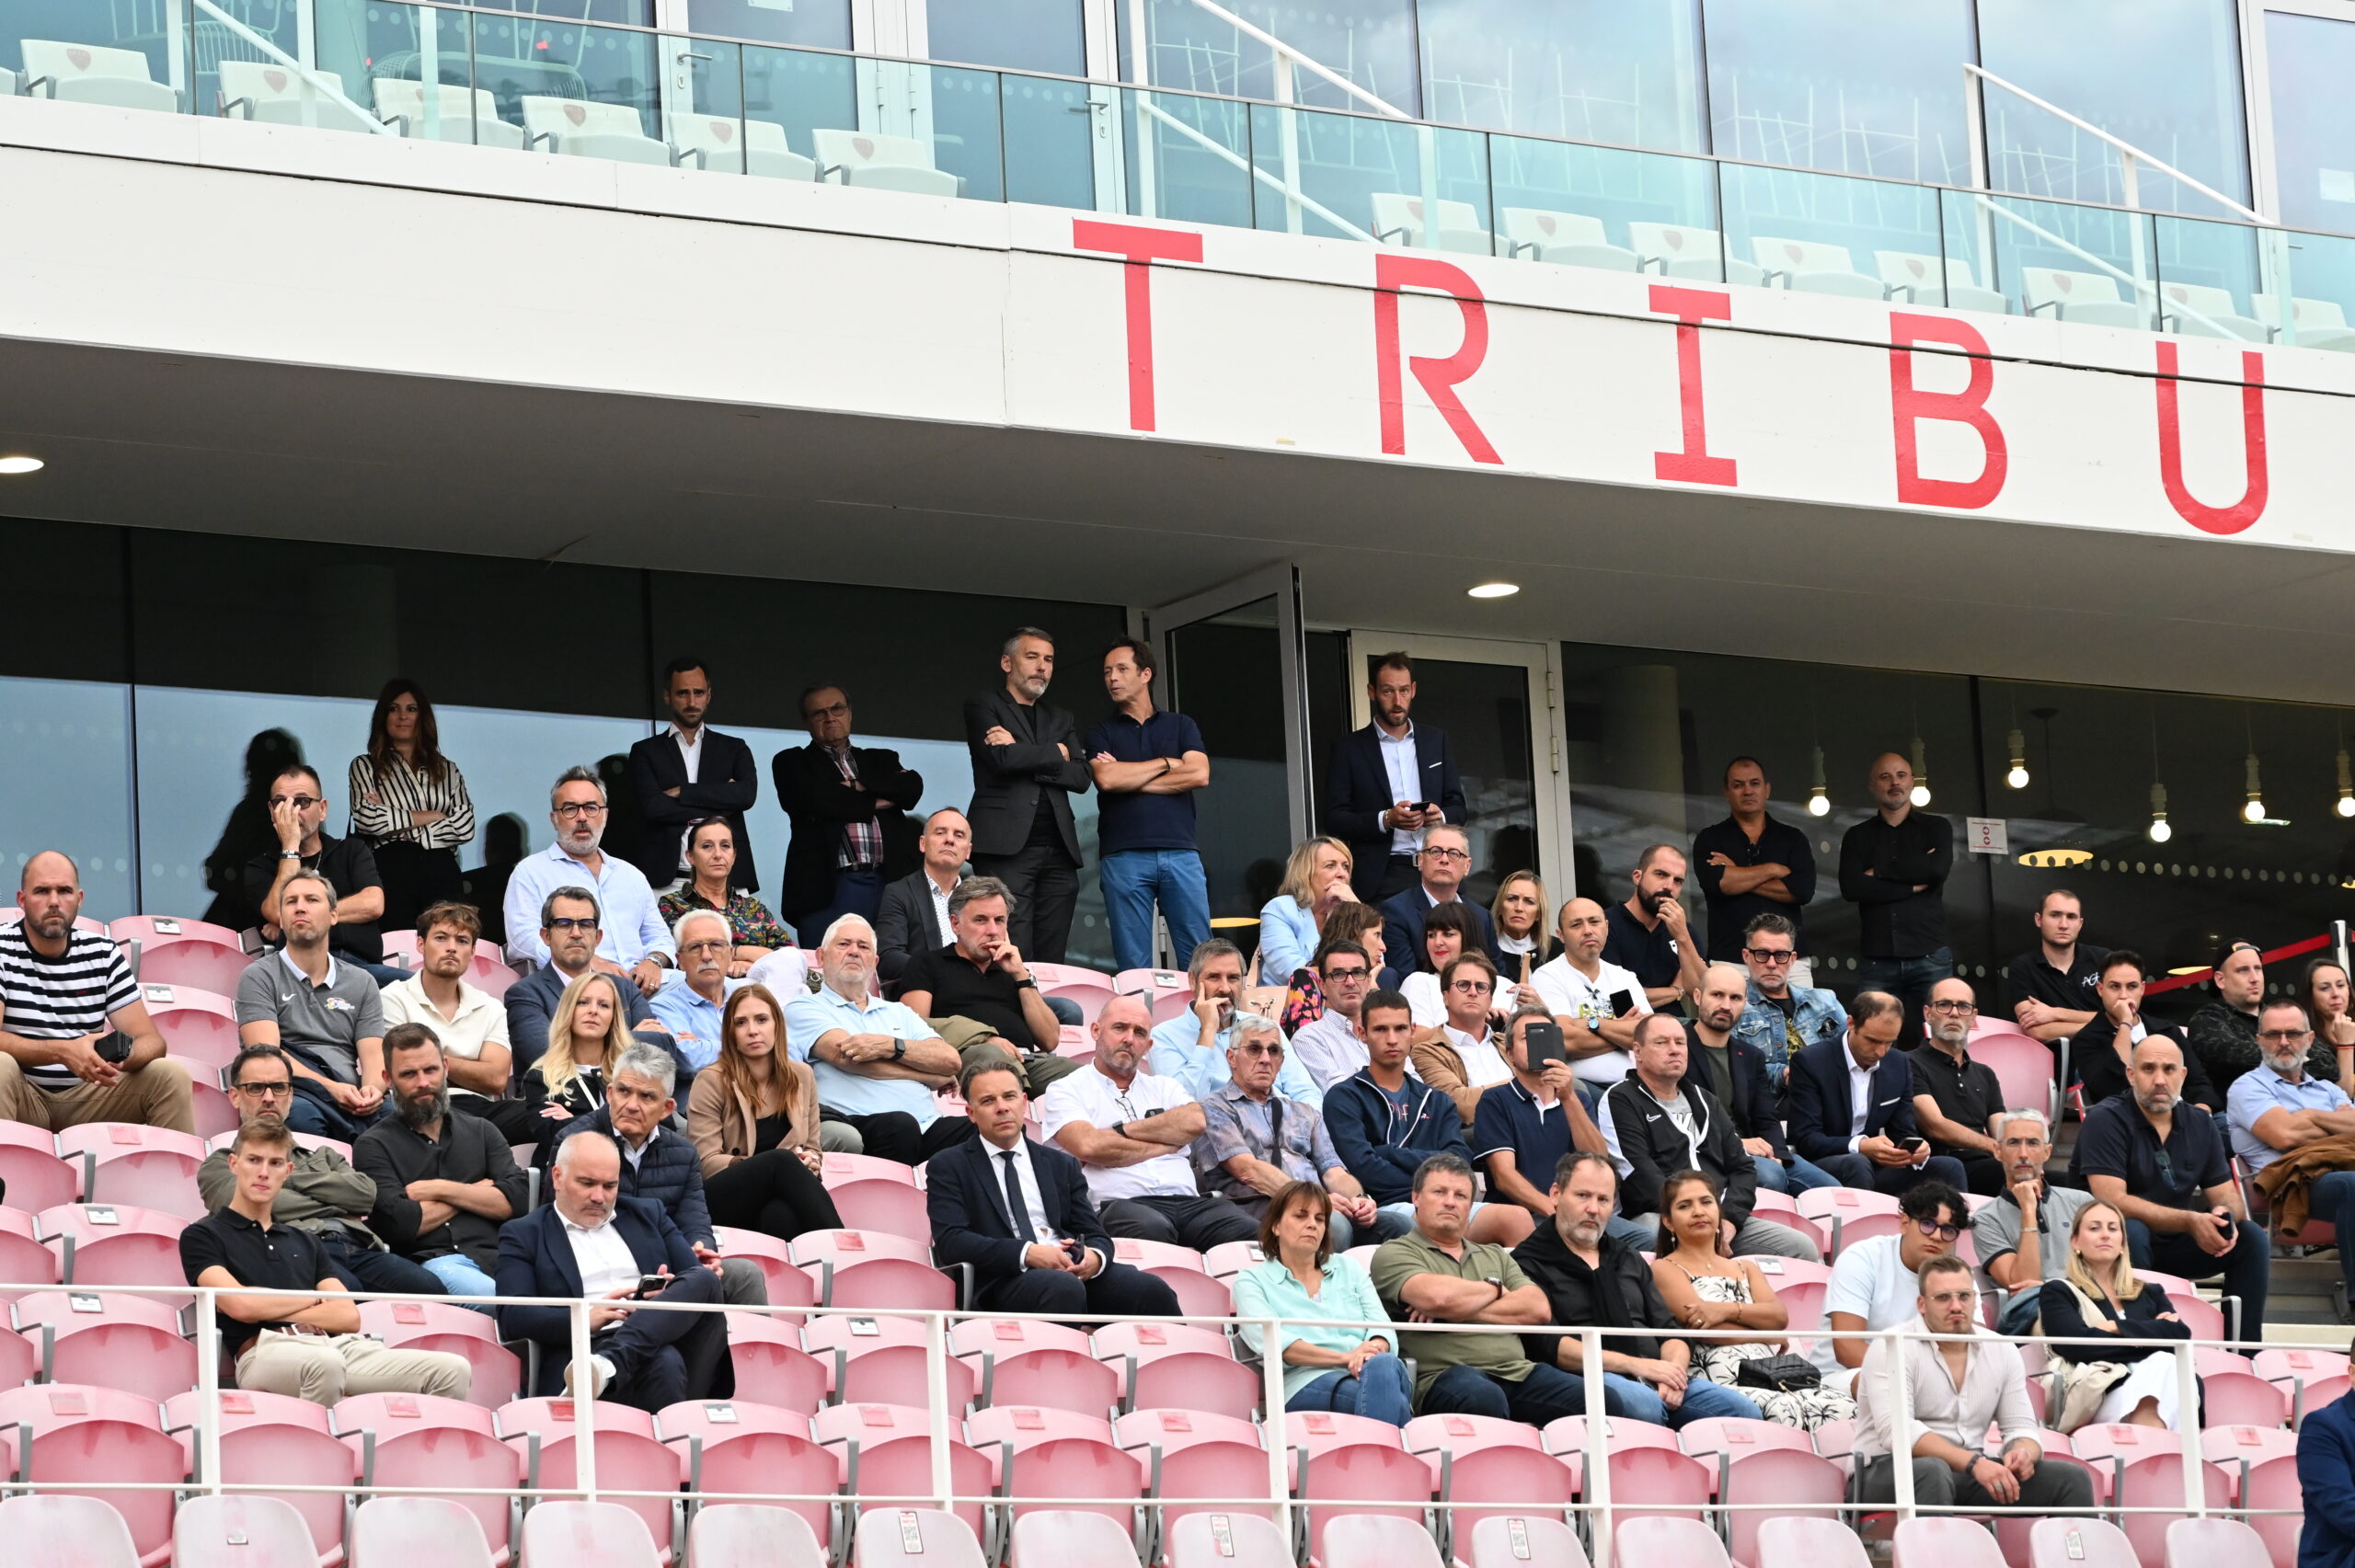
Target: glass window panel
<point>1225,674</point>
<point>363,43</point>
<point>2308,62</point>
<point>2322,286</point>
<point>65,773</point>
<point>820,24</point>
<point>1618,70</point>
<point>1019,35</point>
<point>1801,82</point>
<point>2162,75</point>
<point>1484,708</point>
<point>1369,43</point>
<point>1051,139</point>
<point>628,13</point>
<point>539,59</point>
<point>801,92</point>
<point>1605,207</point>
<point>1358,177</point>
<point>2087,264</point>
<point>957,113</point>
<point>1189,158</point>
<point>1823,234</point>
<point>2210,280</point>
<point>113,26</point>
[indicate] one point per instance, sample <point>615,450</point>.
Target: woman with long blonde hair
<point>2102,1297</point>
<point>752,1116</point>
<point>1519,916</point>
<point>586,1034</point>
<point>1316,877</point>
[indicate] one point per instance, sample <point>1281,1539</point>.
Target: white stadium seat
<point>87,73</point>
<point>1814,268</point>
<point>403,105</point>
<point>579,129</point>
<point>1401,219</point>
<point>279,95</point>
<point>2080,297</point>
<point>1674,250</point>
<point>1913,277</point>
<point>726,143</point>
<point>882,163</point>
<point>1569,239</point>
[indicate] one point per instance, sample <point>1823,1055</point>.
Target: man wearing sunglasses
<point>1782,1014</point>
<point>1874,1284</point>
<point>1256,1141</point>
<point>298,811</point>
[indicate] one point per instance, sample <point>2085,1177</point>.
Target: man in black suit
<point>913,917</point>
<point>1388,781</point>
<point>1441,867</point>
<point>592,1242</point>
<point>1852,1105</point>
<point>849,806</point>
<point>1019,1213</point>
<point>686,773</point>
<point>1027,766</point>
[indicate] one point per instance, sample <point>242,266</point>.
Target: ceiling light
<point>1819,804</point>
<point>2017,745</point>
<point>1494,591</point>
<point>2254,810</point>
<point>2346,807</point>
<point>2056,857</point>
<point>2160,831</point>
<point>1921,793</point>
<point>21,465</point>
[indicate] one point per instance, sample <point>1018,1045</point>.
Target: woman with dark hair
<point>1335,1369</point>
<point>711,861</point>
<point>2324,989</point>
<point>409,805</point>
<point>752,1115</point>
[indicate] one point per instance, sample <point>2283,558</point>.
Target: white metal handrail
<point>1290,193</point>
<point>327,86</point>
<point>2130,155</point>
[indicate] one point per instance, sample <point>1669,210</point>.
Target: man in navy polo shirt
<point>1147,764</point>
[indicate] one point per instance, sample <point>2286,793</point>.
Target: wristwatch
<point>1026,983</point>
<point>898,1049</point>
<point>290,854</point>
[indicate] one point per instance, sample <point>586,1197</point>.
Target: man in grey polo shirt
<point>2023,1236</point>
<point>326,1015</point>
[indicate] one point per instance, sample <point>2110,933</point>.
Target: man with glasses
<point>1443,861</point>
<point>851,833</point>
<point>2224,1033</point>
<point>693,1008</point>
<point>570,931</point>
<point>1959,1103</point>
<point>1256,1141</point>
<point>1958,1388</point>
<point>1133,1131</point>
<point>634,942</point>
<point>1781,1014</point>
<point>323,1193</point>
<point>1649,936</point>
<point>1873,1282</point>
<point>688,774</point>
<point>298,812</point>
<point>1750,865</point>
<point>1852,1105</point>
<point>1327,1048</point>
<point>2291,1127</point>
<point>2161,1163</point>
<point>1194,1046</point>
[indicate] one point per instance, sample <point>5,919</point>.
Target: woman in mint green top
<point>1324,1368</point>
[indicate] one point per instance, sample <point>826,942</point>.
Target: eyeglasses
<point>2282,1036</point>
<point>1769,955</point>
<point>1953,1007</point>
<point>1262,1050</point>
<point>1471,988</point>
<point>1438,854</point>
<point>1953,1298</point>
<point>1351,974</point>
<point>263,1091</point>
<point>573,922</point>
<point>579,808</point>
<point>299,802</point>
<point>1937,1232</point>
<point>833,710</point>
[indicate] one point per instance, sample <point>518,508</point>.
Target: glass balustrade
<point>498,78</point>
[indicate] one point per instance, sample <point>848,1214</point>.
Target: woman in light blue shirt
<point>1324,1368</point>
<point>1316,877</point>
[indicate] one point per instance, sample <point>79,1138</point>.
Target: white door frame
<point>2256,90</point>
<point>1549,788</point>
<point>1281,582</point>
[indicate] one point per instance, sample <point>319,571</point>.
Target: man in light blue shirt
<point>1192,1047</point>
<point>636,943</point>
<point>692,1005</point>
<point>2278,1107</point>
<point>877,1063</point>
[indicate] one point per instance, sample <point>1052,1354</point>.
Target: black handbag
<point>1784,1374</point>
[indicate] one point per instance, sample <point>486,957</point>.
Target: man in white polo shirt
<point>877,1063</point>
<point>1134,1131</point>
<point>471,1024</point>
<point>1597,1005</point>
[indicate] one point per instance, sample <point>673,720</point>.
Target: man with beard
<point>1893,867</point>
<point>635,942</point>
<point>688,772</point>
<point>572,930</point>
<point>1957,1101</point>
<point>75,1043</point>
<point>1027,765</point>
<point>2160,1162</point>
<point>1386,784</point>
<point>1737,1074</point>
<point>1649,936</point>
<point>2279,1109</point>
<point>470,1023</point>
<point>1785,1014</point>
<point>1751,865</point>
<point>2012,1232</point>
<point>444,1182</point>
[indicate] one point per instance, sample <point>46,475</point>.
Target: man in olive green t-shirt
<point>1433,1275</point>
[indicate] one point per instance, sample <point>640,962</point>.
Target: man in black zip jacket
<point>1658,1122</point>
<point>1385,1122</point>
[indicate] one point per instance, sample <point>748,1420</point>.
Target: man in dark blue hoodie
<point>1385,1122</point>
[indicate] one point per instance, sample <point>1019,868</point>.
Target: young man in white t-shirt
<point>1876,1284</point>
<point>1596,1004</point>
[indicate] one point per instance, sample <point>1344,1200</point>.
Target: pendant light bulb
<point>2160,831</point>
<point>2254,810</point>
<point>2346,807</point>
<point>1819,804</point>
<point>1921,793</point>
<point>2016,744</point>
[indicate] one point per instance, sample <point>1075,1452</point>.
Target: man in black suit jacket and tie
<point>1852,1105</point>
<point>1385,784</point>
<point>1027,766</point>
<point>851,832</point>
<point>1019,1213</point>
<point>689,772</point>
<point>592,1242</point>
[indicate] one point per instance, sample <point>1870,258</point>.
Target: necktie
<point>1017,1212</point>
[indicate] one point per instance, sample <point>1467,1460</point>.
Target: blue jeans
<point>1799,1176</point>
<point>460,1276</point>
<point>1132,880</point>
<point>1067,1011</point>
<point>1547,1394</point>
<point>313,1110</point>
<point>2333,1199</point>
<point>1382,1394</point>
<point>1639,1400</point>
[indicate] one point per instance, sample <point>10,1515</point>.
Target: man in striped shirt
<point>76,1042</point>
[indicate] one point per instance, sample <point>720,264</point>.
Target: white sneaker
<point>601,1376</point>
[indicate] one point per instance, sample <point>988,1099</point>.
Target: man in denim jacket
<point>1782,1019</point>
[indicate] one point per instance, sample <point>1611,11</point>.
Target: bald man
<point>76,1042</point>
<point>1597,1004</point>
<point>1893,867</point>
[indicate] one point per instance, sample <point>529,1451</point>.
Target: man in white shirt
<point>634,942</point>
<point>1192,1048</point>
<point>471,1024</point>
<point>1872,1284</point>
<point>1597,1005</point>
<point>1329,1049</point>
<point>877,1063</point>
<point>1132,1132</point>
<point>1957,1387</point>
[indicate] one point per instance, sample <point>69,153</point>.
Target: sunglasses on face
<point>1768,954</point>
<point>299,802</point>
<point>1937,1232</point>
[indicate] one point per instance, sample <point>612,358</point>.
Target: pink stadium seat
<point>1944,1542</point>
<point>590,1535</point>
<point>132,1343</point>
<point>1803,1542</point>
<point>188,953</point>
<point>738,1451</point>
<point>462,1332</point>
<point>38,1177</point>
<point>1649,1471</point>
<point>1519,1540</point>
<point>1349,1464</point>
<point>2261,1465</point>
<point>833,1169</point>
<point>413,1530</point>
<point>2219,1543</point>
<point>772,1367</point>
<point>2097,1543</point>
<point>885,1285</point>
<point>20,1359</point>
<point>1804,1302</point>
<point>1091,989</point>
<point>1184,1366</point>
<point>1199,1296</point>
<point>1376,1541</point>
<point>114,1244</point>
<point>143,1166</point>
<point>887,1454</point>
<point>236,1530</point>
<point>1218,1538</point>
<point>2023,1067</point>
<point>1687,1543</point>
<point>1062,1457</point>
<point>1072,1536</point>
<point>418,1440</point>
<point>488,975</point>
<point>746,1535</point>
<point>913,1537</point>
<point>1481,1459</point>
<point>1140,1253</point>
<point>1784,1273</point>
<point>629,1459</point>
<point>23,1260</point>
<point>2145,1467</point>
<point>200,1027</point>
<point>894,1208</point>
<point>1197,1463</point>
<point>83,1434</point>
<point>215,1115</point>
<point>1230,1258</point>
<point>848,1246</point>
<point>787,1286</point>
<point>48,1530</point>
<point>1024,1362</point>
<point>1836,1210</point>
<point>2242,1399</point>
<point>881,1361</point>
<point>1760,1462</point>
<point>2290,1367</point>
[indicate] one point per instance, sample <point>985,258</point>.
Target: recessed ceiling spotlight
<point>21,465</point>
<point>1494,591</point>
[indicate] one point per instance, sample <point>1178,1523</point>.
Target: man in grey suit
<point>1027,766</point>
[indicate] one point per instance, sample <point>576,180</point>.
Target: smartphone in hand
<point>1543,1038</point>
